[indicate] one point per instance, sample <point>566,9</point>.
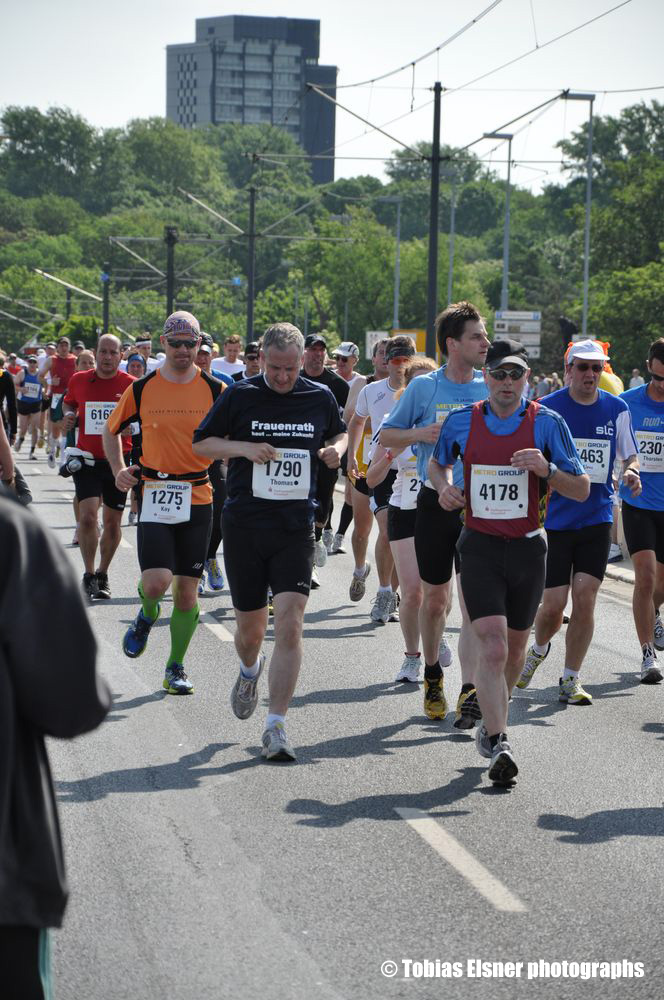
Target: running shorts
<point>436,535</point>
<point>400,523</point>
<point>181,548</point>
<point>585,550</point>
<point>502,576</point>
<point>383,492</point>
<point>258,555</point>
<point>98,481</point>
<point>25,409</point>
<point>644,529</point>
<point>360,485</point>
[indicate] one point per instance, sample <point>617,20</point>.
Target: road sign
<point>516,326</point>
<point>527,339</point>
<point>518,315</point>
<point>373,336</point>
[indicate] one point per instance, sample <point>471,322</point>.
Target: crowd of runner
<point>477,469</point>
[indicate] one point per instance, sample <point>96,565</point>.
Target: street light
<point>396,200</point>
<point>506,231</point>
<point>589,180</point>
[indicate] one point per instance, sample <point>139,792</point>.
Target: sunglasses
<point>189,344</point>
<point>657,378</point>
<point>584,366</point>
<point>500,374</point>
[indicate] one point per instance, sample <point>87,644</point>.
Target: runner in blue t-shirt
<point>643,516</point>
<point>579,534</point>
<point>416,421</point>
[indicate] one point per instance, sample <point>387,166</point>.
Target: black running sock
<point>494,739</point>
<point>432,672</point>
<point>345,518</point>
<point>467,687</point>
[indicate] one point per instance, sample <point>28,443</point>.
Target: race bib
<point>595,456</point>
<point>499,492</point>
<point>30,390</point>
<point>651,450</point>
<point>55,399</point>
<point>166,501</point>
<point>96,415</point>
<point>286,477</point>
<point>410,484</point>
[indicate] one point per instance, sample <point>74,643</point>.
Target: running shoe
<point>444,653</point>
<point>244,696</point>
<point>103,589</point>
<point>615,553</point>
<point>201,584</point>
<point>132,517</point>
<point>338,544</point>
<point>40,442</point>
<point>276,745</point>
<point>533,661</point>
<point>19,442</point>
<point>74,540</point>
<point>32,457</point>
<point>320,553</point>
<point>435,705</point>
<point>315,582</point>
<point>270,602</point>
<point>571,692</point>
<point>358,584</point>
<point>483,743</point>
<point>410,670</point>
<point>328,539</point>
<point>90,585</point>
<point>503,767</point>
<point>176,681</point>
<point>136,636</point>
<point>650,670</point>
<point>394,610</point>
<point>658,635</point>
<point>51,460</point>
<point>468,711</point>
<point>215,576</point>
<point>382,607</point>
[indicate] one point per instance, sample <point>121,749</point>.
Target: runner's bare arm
<point>565,483</point>
<point>216,447</point>
<point>331,454</point>
<point>398,438</point>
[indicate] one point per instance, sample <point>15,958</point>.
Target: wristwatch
<point>553,468</point>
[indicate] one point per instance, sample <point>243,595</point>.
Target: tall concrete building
<point>250,70</point>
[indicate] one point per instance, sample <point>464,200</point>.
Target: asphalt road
<point>198,871</point>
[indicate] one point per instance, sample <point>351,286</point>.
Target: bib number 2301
<point>166,502</point>
<point>286,477</point>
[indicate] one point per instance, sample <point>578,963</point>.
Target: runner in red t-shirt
<point>59,368</point>
<point>93,395</point>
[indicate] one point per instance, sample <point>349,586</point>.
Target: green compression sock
<point>150,604</point>
<point>183,626</point>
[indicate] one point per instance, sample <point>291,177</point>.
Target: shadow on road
<point>600,827</point>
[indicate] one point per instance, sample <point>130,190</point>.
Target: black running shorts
<point>383,492</point>
<point>436,535</point>
<point>259,554</point>
<point>360,485</point>
<point>98,481</point>
<point>502,576</point>
<point>181,548</point>
<point>326,481</point>
<point>26,409</point>
<point>585,550</point>
<point>644,529</point>
<point>400,523</point>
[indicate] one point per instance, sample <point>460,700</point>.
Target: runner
<point>57,371</point>
<point>230,364</point>
<point>416,421</point>
<point>252,365</point>
<point>92,396</point>
<point>579,534</point>
<point>643,515</point>
<point>346,356</point>
<point>375,401</point>
<point>143,346</point>
<point>511,450</point>
<point>401,514</point>
<point>8,405</point>
<point>176,504</point>
<point>272,429</point>
<point>29,404</point>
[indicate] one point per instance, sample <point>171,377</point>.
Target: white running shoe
<point>276,745</point>
<point>358,584</point>
<point>320,553</point>
<point>444,653</point>
<point>658,635</point>
<point>650,669</point>
<point>328,538</point>
<point>615,553</point>
<point>382,607</point>
<point>338,544</point>
<point>410,670</point>
<point>51,460</point>
<point>315,582</point>
<point>132,517</point>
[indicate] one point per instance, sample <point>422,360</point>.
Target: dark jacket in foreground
<point>48,687</point>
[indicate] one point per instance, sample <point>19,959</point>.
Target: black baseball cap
<point>79,343</point>
<point>506,352</point>
<point>313,339</point>
<point>251,350</point>
<point>206,340</point>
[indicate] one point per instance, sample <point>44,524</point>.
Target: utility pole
<point>589,184</point>
<point>432,282</point>
<point>106,283</point>
<point>170,239</point>
<point>251,264</point>
<point>506,228</point>
<point>67,303</point>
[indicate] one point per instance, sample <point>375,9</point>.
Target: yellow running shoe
<point>570,691</point>
<point>435,706</point>
<point>468,711</point>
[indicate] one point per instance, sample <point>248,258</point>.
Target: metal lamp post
<point>589,181</point>
<point>506,231</point>
<point>396,200</point>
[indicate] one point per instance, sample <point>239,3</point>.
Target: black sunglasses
<point>500,374</point>
<point>657,378</point>
<point>583,366</point>
<point>181,343</point>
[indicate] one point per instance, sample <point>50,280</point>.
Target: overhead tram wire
<point>375,128</point>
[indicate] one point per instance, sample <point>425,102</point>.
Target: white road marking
<point>216,628</point>
<point>460,859</point>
